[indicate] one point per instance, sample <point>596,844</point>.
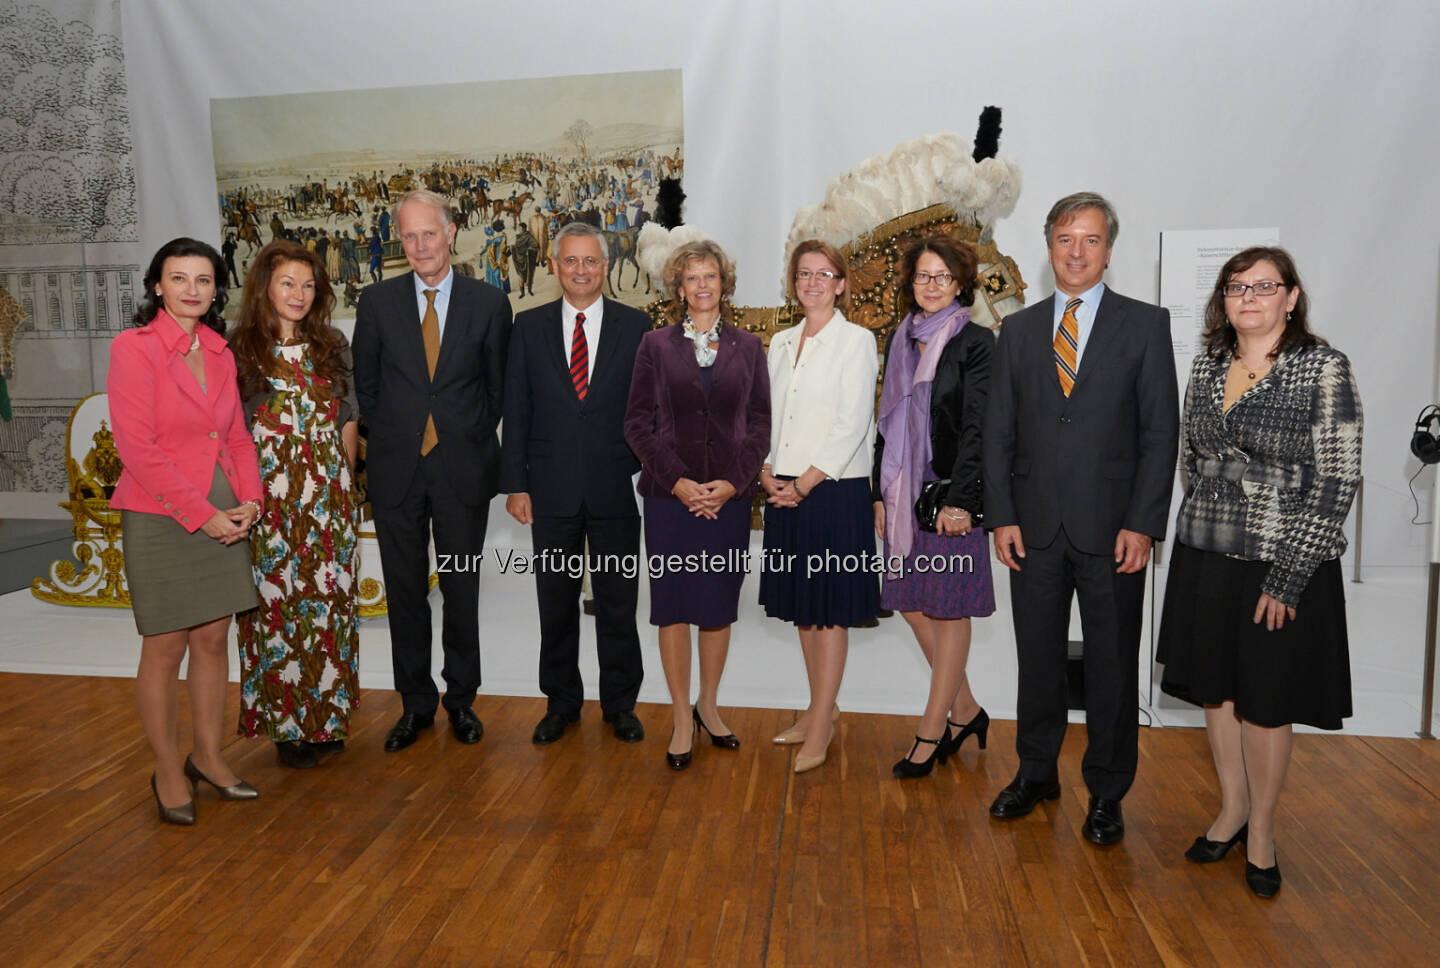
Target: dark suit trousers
<point>403,533</point>
<point>1110,610</point>
<point>617,641</point>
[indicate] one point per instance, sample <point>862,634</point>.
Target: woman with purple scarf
<point>932,407</point>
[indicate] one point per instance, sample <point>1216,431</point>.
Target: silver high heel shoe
<point>238,791</point>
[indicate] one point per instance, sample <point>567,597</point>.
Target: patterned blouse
<point>1271,479</point>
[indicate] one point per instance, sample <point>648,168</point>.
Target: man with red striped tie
<point>1081,433</point>
<point>569,473</point>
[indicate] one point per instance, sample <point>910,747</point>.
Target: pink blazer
<point>170,433</point>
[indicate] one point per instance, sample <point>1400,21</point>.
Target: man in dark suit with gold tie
<point>430,349</point>
<point>1081,435</point>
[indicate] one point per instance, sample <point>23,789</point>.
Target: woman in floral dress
<point>299,649</point>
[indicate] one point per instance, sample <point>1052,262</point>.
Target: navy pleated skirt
<point>821,566</point>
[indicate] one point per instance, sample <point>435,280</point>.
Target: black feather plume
<point>668,201</point>
<point>987,135</point>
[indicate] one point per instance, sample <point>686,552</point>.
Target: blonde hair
<point>680,259</point>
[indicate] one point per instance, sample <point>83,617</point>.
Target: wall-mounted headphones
<point>1425,444</point>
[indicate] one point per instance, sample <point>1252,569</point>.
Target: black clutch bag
<point>931,500</point>
<point>928,504</point>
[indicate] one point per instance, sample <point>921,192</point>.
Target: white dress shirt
<point>822,409</point>
<point>442,298</point>
<point>593,313</point>
<point>1084,317</point>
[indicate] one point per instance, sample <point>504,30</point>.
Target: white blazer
<point>822,409</point>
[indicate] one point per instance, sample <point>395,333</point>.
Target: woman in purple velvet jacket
<point>699,419</point>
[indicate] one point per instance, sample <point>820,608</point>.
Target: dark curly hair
<point>258,332</point>
<point>959,257</point>
<point>1219,336</point>
<point>150,304</point>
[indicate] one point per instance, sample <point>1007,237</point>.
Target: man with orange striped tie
<point>568,471</point>
<point>430,350</point>
<point>1081,434</point>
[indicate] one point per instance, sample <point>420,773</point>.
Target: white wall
<point>1317,117</point>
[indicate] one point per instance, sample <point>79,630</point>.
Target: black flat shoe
<point>679,761</point>
<point>1021,796</point>
<point>466,726</point>
<point>1264,881</point>
<point>626,725</point>
<point>239,790</point>
<point>980,726</point>
<point>183,815</point>
<point>1104,823</point>
<point>727,742</point>
<point>296,755</point>
<point>406,731</point>
<point>1205,851</point>
<point>328,746</point>
<point>908,769</point>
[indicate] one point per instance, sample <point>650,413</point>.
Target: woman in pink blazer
<point>189,493</point>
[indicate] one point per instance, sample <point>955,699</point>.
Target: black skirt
<point>1213,650</point>
<point>821,567</point>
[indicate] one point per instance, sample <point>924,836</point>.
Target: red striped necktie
<point>580,358</point>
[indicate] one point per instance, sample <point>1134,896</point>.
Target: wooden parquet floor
<point>591,852</point>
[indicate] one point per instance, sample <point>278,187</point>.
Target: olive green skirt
<point>180,579</point>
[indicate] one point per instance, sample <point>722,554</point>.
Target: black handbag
<point>928,504</point>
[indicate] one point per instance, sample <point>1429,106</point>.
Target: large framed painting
<point>516,159</point>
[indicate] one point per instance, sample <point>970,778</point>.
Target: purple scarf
<point>905,417</point>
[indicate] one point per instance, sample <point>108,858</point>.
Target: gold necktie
<point>1067,346</point>
<point>430,333</point>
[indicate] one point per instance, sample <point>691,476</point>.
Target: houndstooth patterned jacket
<point>1272,478</point>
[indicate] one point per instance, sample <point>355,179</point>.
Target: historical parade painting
<point>517,159</point>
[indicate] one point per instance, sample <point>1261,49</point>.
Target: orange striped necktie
<point>1067,347</point>
<point>430,336</point>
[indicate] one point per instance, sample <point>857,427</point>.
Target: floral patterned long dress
<point>299,649</point>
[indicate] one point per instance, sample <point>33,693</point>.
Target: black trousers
<point>1110,612</point>
<point>614,546</point>
<point>403,532</point>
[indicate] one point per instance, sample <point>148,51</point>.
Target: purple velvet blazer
<point>678,431</point>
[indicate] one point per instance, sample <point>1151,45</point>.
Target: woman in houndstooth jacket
<point>1254,621</point>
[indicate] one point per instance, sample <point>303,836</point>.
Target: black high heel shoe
<point>184,815</point>
<point>679,761</point>
<point>237,791</point>
<point>1264,881</point>
<point>908,769</point>
<point>727,742</point>
<point>1205,851</point>
<point>980,726</point>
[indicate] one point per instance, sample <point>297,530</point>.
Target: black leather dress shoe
<point>1021,796</point>
<point>628,728</point>
<point>466,725</point>
<point>406,731</point>
<point>551,727</point>
<point>1104,824</point>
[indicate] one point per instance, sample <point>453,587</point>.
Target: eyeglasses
<point>1263,288</point>
<point>939,278</point>
<point>805,275</point>
<point>574,261</point>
